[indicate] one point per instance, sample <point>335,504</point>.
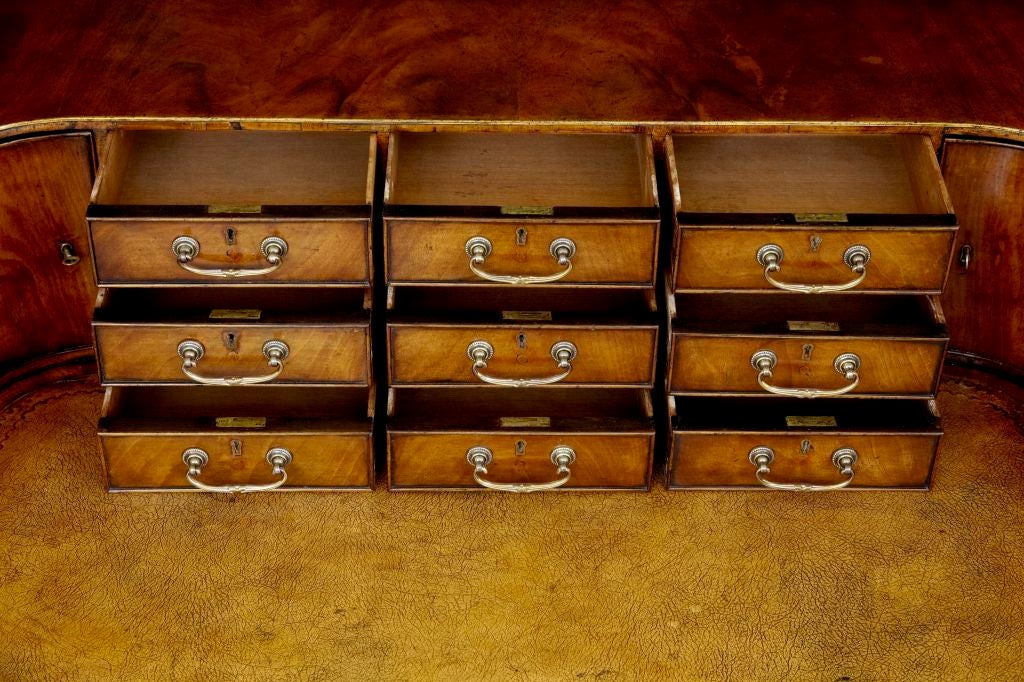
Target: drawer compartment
<point>233,207</point>
<point>724,442</point>
<point>433,431</point>
<point>134,252</point>
<point>760,345</point>
<point>595,354</point>
<point>440,251</point>
<point>518,209</point>
<point>250,336</point>
<point>810,213</point>
<point>145,432</point>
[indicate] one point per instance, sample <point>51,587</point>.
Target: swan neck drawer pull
<point>856,258</point>
<point>846,364</point>
<point>186,249</point>
<point>191,351</point>
<point>195,459</point>
<point>843,459</point>
<point>561,249</point>
<point>562,456</point>
<point>563,353</point>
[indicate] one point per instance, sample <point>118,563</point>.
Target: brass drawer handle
<point>563,353</point>
<point>856,258</point>
<point>843,459</point>
<point>191,351</point>
<point>562,249</point>
<point>195,459</point>
<point>562,456</point>
<point>187,248</point>
<point>847,364</point>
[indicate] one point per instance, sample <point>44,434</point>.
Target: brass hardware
<point>562,352</point>
<point>235,314</point>
<point>820,217</point>
<point>809,326</point>
<point>805,446</point>
<point>815,243</point>
<point>846,364</point>
<point>479,248</point>
<point>810,422</point>
<point>521,236</point>
<point>240,422</point>
<point>192,351</point>
<point>562,456</point>
<point>843,459</point>
<point>68,256</point>
<point>855,257</point>
<point>521,340</point>
<point>521,422</point>
<point>234,208</point>
<point>520,448</point>
<point>186,249</point>
<point>524,315</point>
<point>196,458</point>
<point>807,351</point>
<point>230,341</point>
<point>236,447</point>
<point>229,236</point>
<point>966,252</point>
<point>527,210</point>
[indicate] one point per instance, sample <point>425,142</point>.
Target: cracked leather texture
<point>685,585</point>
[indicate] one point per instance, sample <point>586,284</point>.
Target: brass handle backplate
<point>196,458</point>
<point>563,353</point>
<point>856,258</point>
<point>562,249</point>
<point>562,456</point>
<point>846,364</point>
<point>191,351</point>
<point>186,249</point>
<point>843,459</point>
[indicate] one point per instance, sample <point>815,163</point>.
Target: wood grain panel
<point>317,354</point>
<point>725,258</point>
<point>642,60</point>
<point>322,252</point>
<point>44,190</point>
<point>883,461</point>
<point>721,364</point>
<point>436,354</point>
<point>323,460</point>
<point>606,253</point>
<point>438,460</point>
<point>984,302</point>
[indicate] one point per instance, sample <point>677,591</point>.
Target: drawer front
<point>438,355</point>
<point>149,353</point>
<point>725,259</point>
<point>140,252</point>
<point>722,459</point>
<point>889,367</point>
<point>143,461</point>
<point>438,460</point>
<point>421,251</point>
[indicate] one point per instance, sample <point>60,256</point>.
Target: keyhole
<point>236,448</point>
<point>815,243</point>
<point>808,349</point>
<point>521,236</point>
<point>520,448</point>
<point>521,340</point>
<point>229,236</point>
<point>231,341</point>
<point>806,447</point>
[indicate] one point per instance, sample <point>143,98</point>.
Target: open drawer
<point>796,445</point>
<point>225,440</point>
<point>806,346</point>
<point>232,336</point>
<point>245,207</point>
<point>809,213</point>
<point>519,441</point>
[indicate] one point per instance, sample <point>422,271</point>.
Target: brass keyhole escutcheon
<point>815,243</point>
<point>231,340</point>
<point>520,448</point>
<point>521,236</point>
<point>807,351</point>
<point>805,447</point>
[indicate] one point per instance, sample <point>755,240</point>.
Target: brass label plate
<point>536,422</point>
<point>527,210</point>
<point>528,315</point>
<point>816,422</point>
<point>241,422</point>
<point>234,208</point>
<point>235,314</point>
<point>820,217</point>
<point>811,326</point>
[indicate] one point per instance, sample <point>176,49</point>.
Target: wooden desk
<point>706,586</point>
